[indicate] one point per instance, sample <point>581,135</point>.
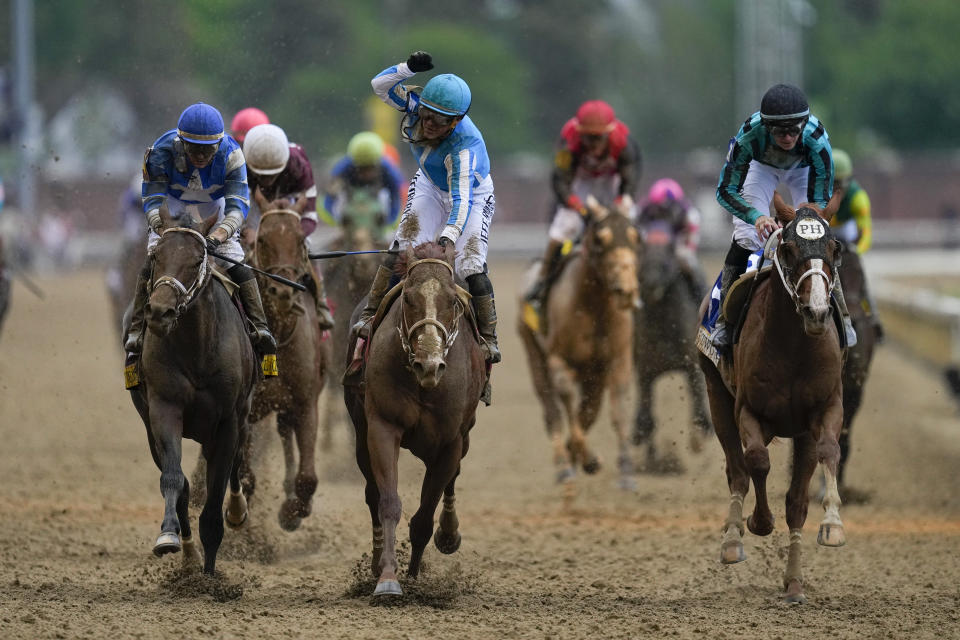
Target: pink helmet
<point>665,190</point>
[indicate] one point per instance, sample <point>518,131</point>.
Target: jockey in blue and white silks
<point>451,197</point>
<point>197,169</point>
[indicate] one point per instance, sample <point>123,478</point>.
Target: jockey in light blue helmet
<point>447,94</point>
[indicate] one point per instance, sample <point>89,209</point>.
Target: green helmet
<point>365,148</point>
<point>842,167</point>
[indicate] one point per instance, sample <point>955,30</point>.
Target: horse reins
<point>202,275</point>
<point>448,336</point>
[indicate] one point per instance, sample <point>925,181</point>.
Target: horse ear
<point>833,206</point>
<point>260,199</point>
<point>836,249</point>
<point>598,211</point>
<point>301,204</point>
<point>207,223</point>
<point>785,213</point>
<point>165,216</point>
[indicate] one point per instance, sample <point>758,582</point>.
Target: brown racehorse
<point>197,373</point>
<point>784,381</point>
<point>348,281</point>
<point>279,248</point>
<point>420,389</point>
<point>588,345</point>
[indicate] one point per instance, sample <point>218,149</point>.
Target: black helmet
<point>783,104</point>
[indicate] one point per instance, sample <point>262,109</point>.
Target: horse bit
<point>448,337</point>
<point>170,281</point>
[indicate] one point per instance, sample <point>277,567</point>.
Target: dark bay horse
<point>348,281</point>
<point>197,373</point>
<point>421,385</point>
<point>662,341</point>
<point>588,345</point>
<point>784,381</point>
<point>279,248</point>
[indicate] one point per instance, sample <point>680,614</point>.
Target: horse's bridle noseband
<point>787,284</point>
<point>448,337</point>
<point>185,294</point>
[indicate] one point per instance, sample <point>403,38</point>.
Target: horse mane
<point>419,252</point>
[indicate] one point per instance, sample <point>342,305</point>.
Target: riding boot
<point>133,343</point>
<point>378,289</point>
<point>262,339</point>
<point>848,330</point>
<point>537,295</point>
<point>487,326</point>
<point>723,334</point>
<point>324,317</point>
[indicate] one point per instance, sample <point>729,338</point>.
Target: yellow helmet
<point>365,148</point>
<point>842,165</point>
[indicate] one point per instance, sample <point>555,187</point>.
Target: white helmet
<point>266,149</point>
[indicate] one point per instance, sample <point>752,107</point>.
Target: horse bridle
<point>185,294</point>
<point>294,270</point>
<point>448,337</point>
<point>787,284</point>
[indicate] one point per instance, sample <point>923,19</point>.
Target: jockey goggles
<point>785,129</point>
<point>439,119</point>
<point>202,152</point>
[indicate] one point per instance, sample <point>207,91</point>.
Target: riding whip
<point>340,254</point>
<point>272,276</point>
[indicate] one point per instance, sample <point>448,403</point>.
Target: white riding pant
<point>567,224</point>
<point>758,188</point>
<point>229,247</point>
<point>425,216</point>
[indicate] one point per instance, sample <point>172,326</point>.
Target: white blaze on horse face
<point>430,340</point>
<point>819,296</point>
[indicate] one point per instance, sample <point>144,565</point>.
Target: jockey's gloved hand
<point>445,242</point>
<point>213,244</point>
<point>419,61</point>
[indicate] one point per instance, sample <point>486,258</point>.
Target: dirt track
<point>80,508</point>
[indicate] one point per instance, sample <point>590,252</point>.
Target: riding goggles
<point>784,128</point>
<point>202,152</point>
<point>429,115</point>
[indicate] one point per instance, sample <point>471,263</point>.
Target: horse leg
<point>698,408</point>
<point>804,464</point>
<point>372,497</point>
<point>191,554</point>
<point>447,538</point>
<point>565,456</point>
<point>619,381</point>
<point>168,433</point>
<point>440,473</point>
<point>306,482</point>
<point>288,515</point>
<point>831,532</point>
<point>222,466</point>
<point>721,408</point>
<point>590,401</point>
<point>383,443</point>
<point>757,457</point>
<point>198,482</point>
<point>644,426</point>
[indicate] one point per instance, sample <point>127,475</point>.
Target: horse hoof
<point>191,554</point>
<point>387,588</point>
<point>289,515</point>
<point>445,542</point>
<point>759,530</point>
<point>794,593</point>
<point>732,553</point>
<point>566,475</point>
<point>591,466</point>
<point>168,542</point>
<point>831,535</point>
<point>233,524</point>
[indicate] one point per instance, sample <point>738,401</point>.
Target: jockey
<point>665,202</point>
<point>197,168</point>
<point>365,167</point>
<point>245,120</point>
<point>852,224</point>
<point>782,143</point>
<point>451,197</point>
<point>595,156</point>
<point>281,170</point>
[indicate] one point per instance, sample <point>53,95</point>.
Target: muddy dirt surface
<point>80,509</point>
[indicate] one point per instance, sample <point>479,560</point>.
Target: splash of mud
<point>190,583</point>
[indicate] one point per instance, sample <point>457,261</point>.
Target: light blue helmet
<point>201,124</point>
<point>447,94</point>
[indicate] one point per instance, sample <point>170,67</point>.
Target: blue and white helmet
<point>201,124</point>
<point>447,94</point>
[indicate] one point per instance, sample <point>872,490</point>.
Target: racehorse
<point>197,373</point>
<point>588,343</point>
<point>279,248</point>
<point>857,366</point>
<point>348,281</point>
<point>662,341</point>
<point>420,388</point>
<point>784,381</point>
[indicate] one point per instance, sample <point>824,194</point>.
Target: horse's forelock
<point>419,252</point>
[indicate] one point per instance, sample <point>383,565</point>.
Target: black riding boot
<point>482,291</point>
<point>848,330</point>
<point>133,343</point>
<point>734,265</point>
<point>262,339</point>
<point>378,289</point>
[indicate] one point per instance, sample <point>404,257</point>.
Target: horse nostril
<point>418,369</point>
<point>440,368</point>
